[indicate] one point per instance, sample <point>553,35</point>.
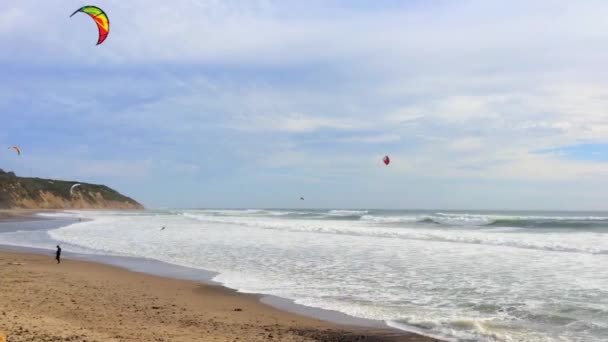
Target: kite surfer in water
<point>58,254</point>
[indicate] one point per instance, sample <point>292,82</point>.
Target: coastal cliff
<point>38,193</point>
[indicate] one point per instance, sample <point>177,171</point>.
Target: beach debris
<point>16,148</point>
<point>100,18</point>
<point>238,309</point>
<point>73,187</point>
<point>386,160</point>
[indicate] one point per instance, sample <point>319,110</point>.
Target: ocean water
<point>466,276</point>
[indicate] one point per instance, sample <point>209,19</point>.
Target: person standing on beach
<point>58,254</point>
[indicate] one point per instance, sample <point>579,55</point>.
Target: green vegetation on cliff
<point>39,193</point>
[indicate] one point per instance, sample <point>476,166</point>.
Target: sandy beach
<point>85,301</point>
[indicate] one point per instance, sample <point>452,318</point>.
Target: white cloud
<point>10,19</point>
<point>451,90</point>
<point>547,168</point>
<point>464,144</point>
<point>373,139</point>
<point>439,36</point>
<point>296,123</point>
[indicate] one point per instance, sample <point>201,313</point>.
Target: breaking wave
<point>421,228</point>
<point>401,218</point>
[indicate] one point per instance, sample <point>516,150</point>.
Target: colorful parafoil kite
<point>101,19</point>
<point>73,187</point>
<point>16,148</point>
<point>386,160</point>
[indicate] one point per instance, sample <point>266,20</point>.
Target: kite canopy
<point>101,19</point>
<point>16,148</point>
<point>386,160</point>
<point>73,187</point>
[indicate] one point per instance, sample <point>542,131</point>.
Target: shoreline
<point>17,215</point>
<point>297,322</point>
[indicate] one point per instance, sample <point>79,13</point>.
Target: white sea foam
<point>587,242</point>
<point>464,280</point>
<point>392,219</point>
<point>347,212</point>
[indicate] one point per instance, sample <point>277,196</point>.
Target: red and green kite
<point>101,19</point>
<point>16,148</point>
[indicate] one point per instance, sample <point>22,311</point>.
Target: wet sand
<point>20,214</point>
<point>87,301</point>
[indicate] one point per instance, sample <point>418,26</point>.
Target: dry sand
<point>84,301</point>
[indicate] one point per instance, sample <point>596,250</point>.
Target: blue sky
<point>193,103</point>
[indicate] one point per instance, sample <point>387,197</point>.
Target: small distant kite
<point>72,188</point>
<point>101,19</point>
<point>386,160</point>
<point>301,198</point>
<point>16,148</point>
<point>163,228</point>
